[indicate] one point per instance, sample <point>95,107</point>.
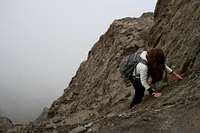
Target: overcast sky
<point>42,43</point>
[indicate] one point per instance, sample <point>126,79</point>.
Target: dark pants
<point>139,92</point>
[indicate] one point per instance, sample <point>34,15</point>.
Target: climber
<point>146,74</point>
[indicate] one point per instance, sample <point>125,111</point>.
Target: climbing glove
<point>151,91</point>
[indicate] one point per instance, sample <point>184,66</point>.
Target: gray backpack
<point>128,64</point>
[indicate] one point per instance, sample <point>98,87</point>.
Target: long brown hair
<point>156,64</point>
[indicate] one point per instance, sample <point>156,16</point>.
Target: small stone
<point>79,129</point>
<point>90,130</point>
<point>147,119</point>
<point>111,115</point>
<point>88,125</point>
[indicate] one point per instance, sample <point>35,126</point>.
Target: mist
<point>43,42</point>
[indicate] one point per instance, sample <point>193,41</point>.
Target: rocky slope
<point>177,30</point>
<point>97,89</point>
<point>96,99</point>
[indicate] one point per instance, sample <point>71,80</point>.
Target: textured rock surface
<point>97,89</point>
<point>97,100</point>
<point>177,30</point>
<point>80,129</point>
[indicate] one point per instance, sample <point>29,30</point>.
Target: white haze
<point>42,43</point>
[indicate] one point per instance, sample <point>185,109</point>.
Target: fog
<point>42,43</point>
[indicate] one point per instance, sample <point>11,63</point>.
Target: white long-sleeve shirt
<point>142,71</point>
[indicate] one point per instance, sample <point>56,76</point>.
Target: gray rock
<point>79,129</point>
<point>88,125</point>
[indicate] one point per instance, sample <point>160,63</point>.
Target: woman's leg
<point>139,92</point>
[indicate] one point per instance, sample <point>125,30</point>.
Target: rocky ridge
<point>96,99</point>
<point>97,90</point>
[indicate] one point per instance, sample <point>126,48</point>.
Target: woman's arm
<point>177,75</point>
<point>144,80</point>
<point>169,70</point>
<point>143,71</point>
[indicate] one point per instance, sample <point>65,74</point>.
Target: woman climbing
<point>148,73</point>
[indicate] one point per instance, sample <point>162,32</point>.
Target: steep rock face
<point>177,111</point>
<point>97,88</point>
<point>177,30</point>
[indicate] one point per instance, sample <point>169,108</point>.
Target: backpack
<point>128,64</point>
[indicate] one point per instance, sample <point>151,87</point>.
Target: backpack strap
<point>140,60</point>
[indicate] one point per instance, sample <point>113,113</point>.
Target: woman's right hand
<point>154,93</point>
<point>157,94</point>
<point>178,77</point>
